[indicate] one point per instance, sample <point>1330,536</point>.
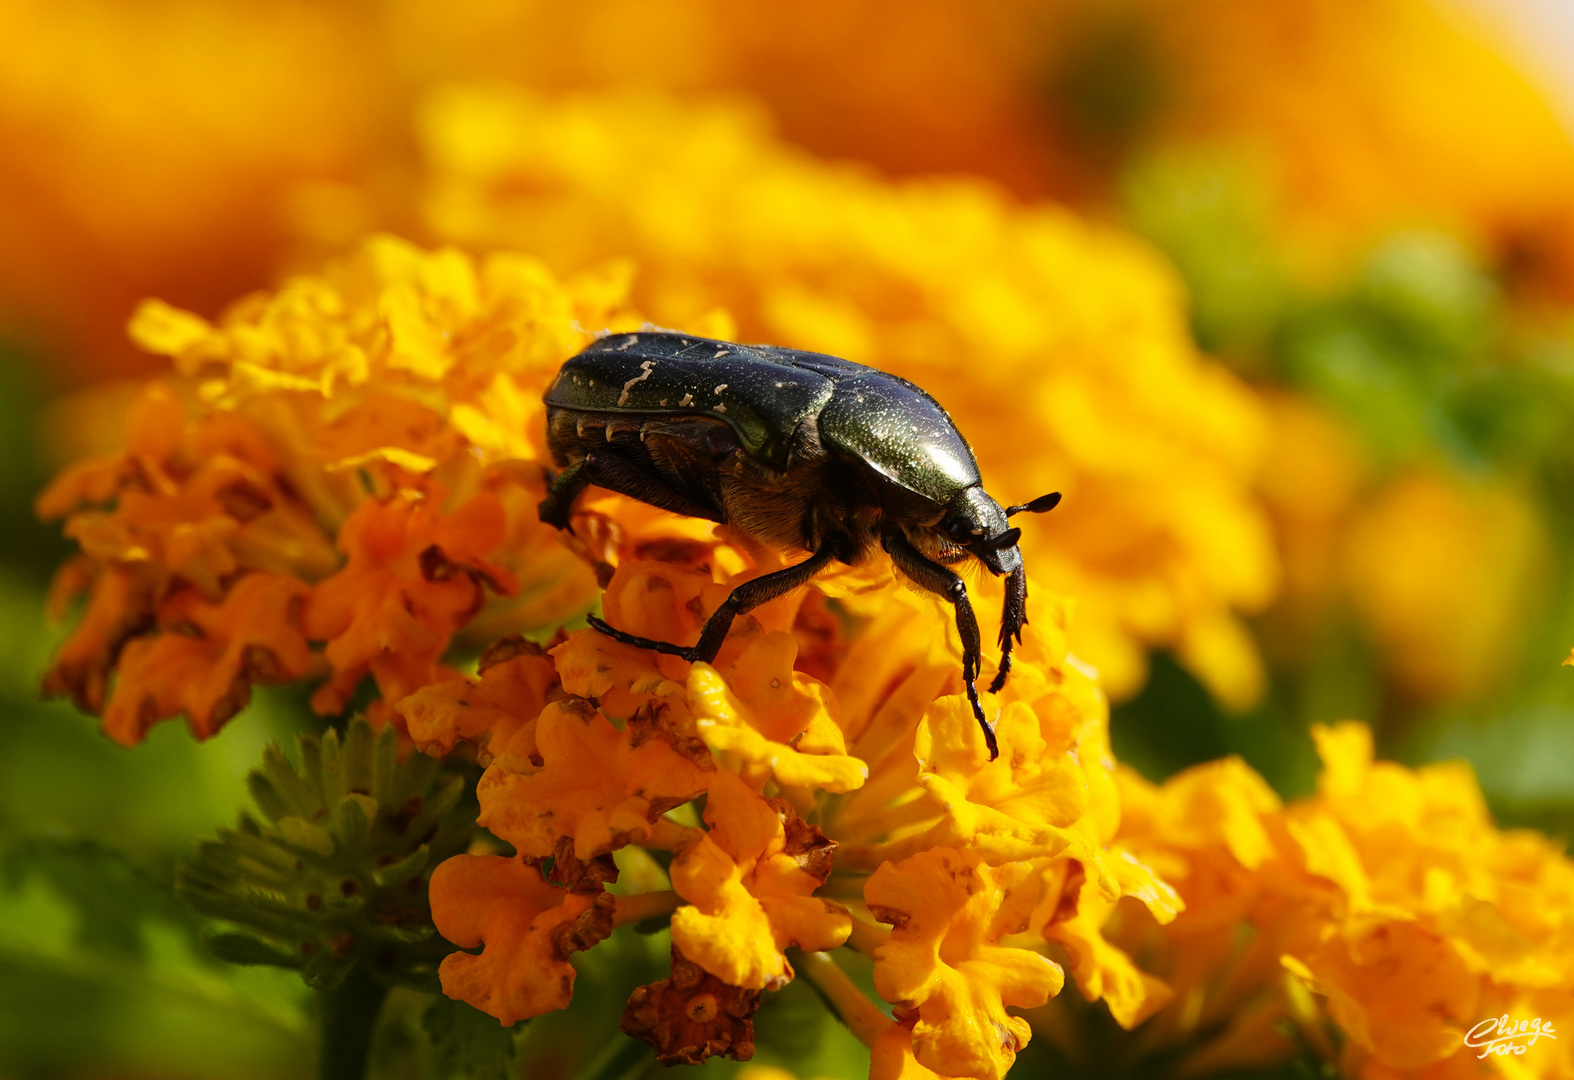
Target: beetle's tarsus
<point>562,490</point>
<point>683,652</point>
<point>1013,617</point>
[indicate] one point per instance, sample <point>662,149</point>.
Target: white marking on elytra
<point>632,339</point>
<point>720,388</point>
<point>645,368</point>
<point>688,399</point>
<point>721,408</point>
<point>719,354</point>
<point>780,385</point>
<point>592,382</point>
<point>663,403</point>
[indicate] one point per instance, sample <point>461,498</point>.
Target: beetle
<point>797,450</point>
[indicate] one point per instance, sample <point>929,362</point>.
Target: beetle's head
<point>978,523</point>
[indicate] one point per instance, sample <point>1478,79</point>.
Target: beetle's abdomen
<point>652,373</point>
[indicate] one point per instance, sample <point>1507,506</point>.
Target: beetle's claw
<point>983,723</point>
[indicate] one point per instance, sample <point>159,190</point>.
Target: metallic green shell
<point>765,392</point>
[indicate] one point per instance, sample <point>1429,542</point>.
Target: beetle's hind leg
<point>743,599</point>
<point>937,579</point>
<point>563,489</point>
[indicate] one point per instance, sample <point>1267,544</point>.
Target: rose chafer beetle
<point>796,449</point>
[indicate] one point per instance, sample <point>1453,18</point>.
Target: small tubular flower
<point>528,929</point>
<point>207,656</point>
<point>750,880</point>
<point>949,911</point>
<point>413,575</point>
<point>515,679</point>
<point>598,785</point>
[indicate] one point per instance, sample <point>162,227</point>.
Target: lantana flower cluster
<point>849,799</point>
<point>1376,923</point>
<point>340,479</point>
<point>341,486</point>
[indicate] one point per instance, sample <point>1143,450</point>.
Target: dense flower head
<point>1389,894</point>
<point>351,463</point>
<point>1060,348</point>
<point>834,801</point>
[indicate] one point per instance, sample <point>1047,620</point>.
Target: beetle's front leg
<point>937,579</point>
<point>742,600</point>
<point>1013,617</point>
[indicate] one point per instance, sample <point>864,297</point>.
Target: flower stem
<point>349,1013</point>
<point>641,906</point>
<point>867,936</point>
<point>861,1015</point>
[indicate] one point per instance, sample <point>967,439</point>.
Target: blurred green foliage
<point>1429,360</point>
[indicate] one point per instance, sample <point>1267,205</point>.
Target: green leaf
<point>402,871</point>
<point>110,896</point>
<point>235,948</point>
<point>467,1042</point>
<point>353,821</point>
<point>306,836</point>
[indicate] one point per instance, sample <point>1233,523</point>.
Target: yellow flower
<point>598,785</point>
<point>206,657</point>
<point>1452,132</point>
<point>1389,895</point>
<point>515,679</point>
<point>528,928</point>
<point>949,911</point>
<point>749,881</point>
<point>1031,327</point>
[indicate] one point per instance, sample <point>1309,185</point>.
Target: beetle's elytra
<point>798,450</point>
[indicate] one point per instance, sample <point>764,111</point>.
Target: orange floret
<point>770,719</point>
<point>599,785</point>
<point>527,926</point>
<point>751,881</point>
<point>207,657</point>
<point>496,710</point>
<point>413,575</point>
<point>945,962</point>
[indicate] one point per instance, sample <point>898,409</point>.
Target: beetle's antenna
<point>1041,505</point>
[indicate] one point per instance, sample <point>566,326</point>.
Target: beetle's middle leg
<point>742,600</point>
<point>937,579</point>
